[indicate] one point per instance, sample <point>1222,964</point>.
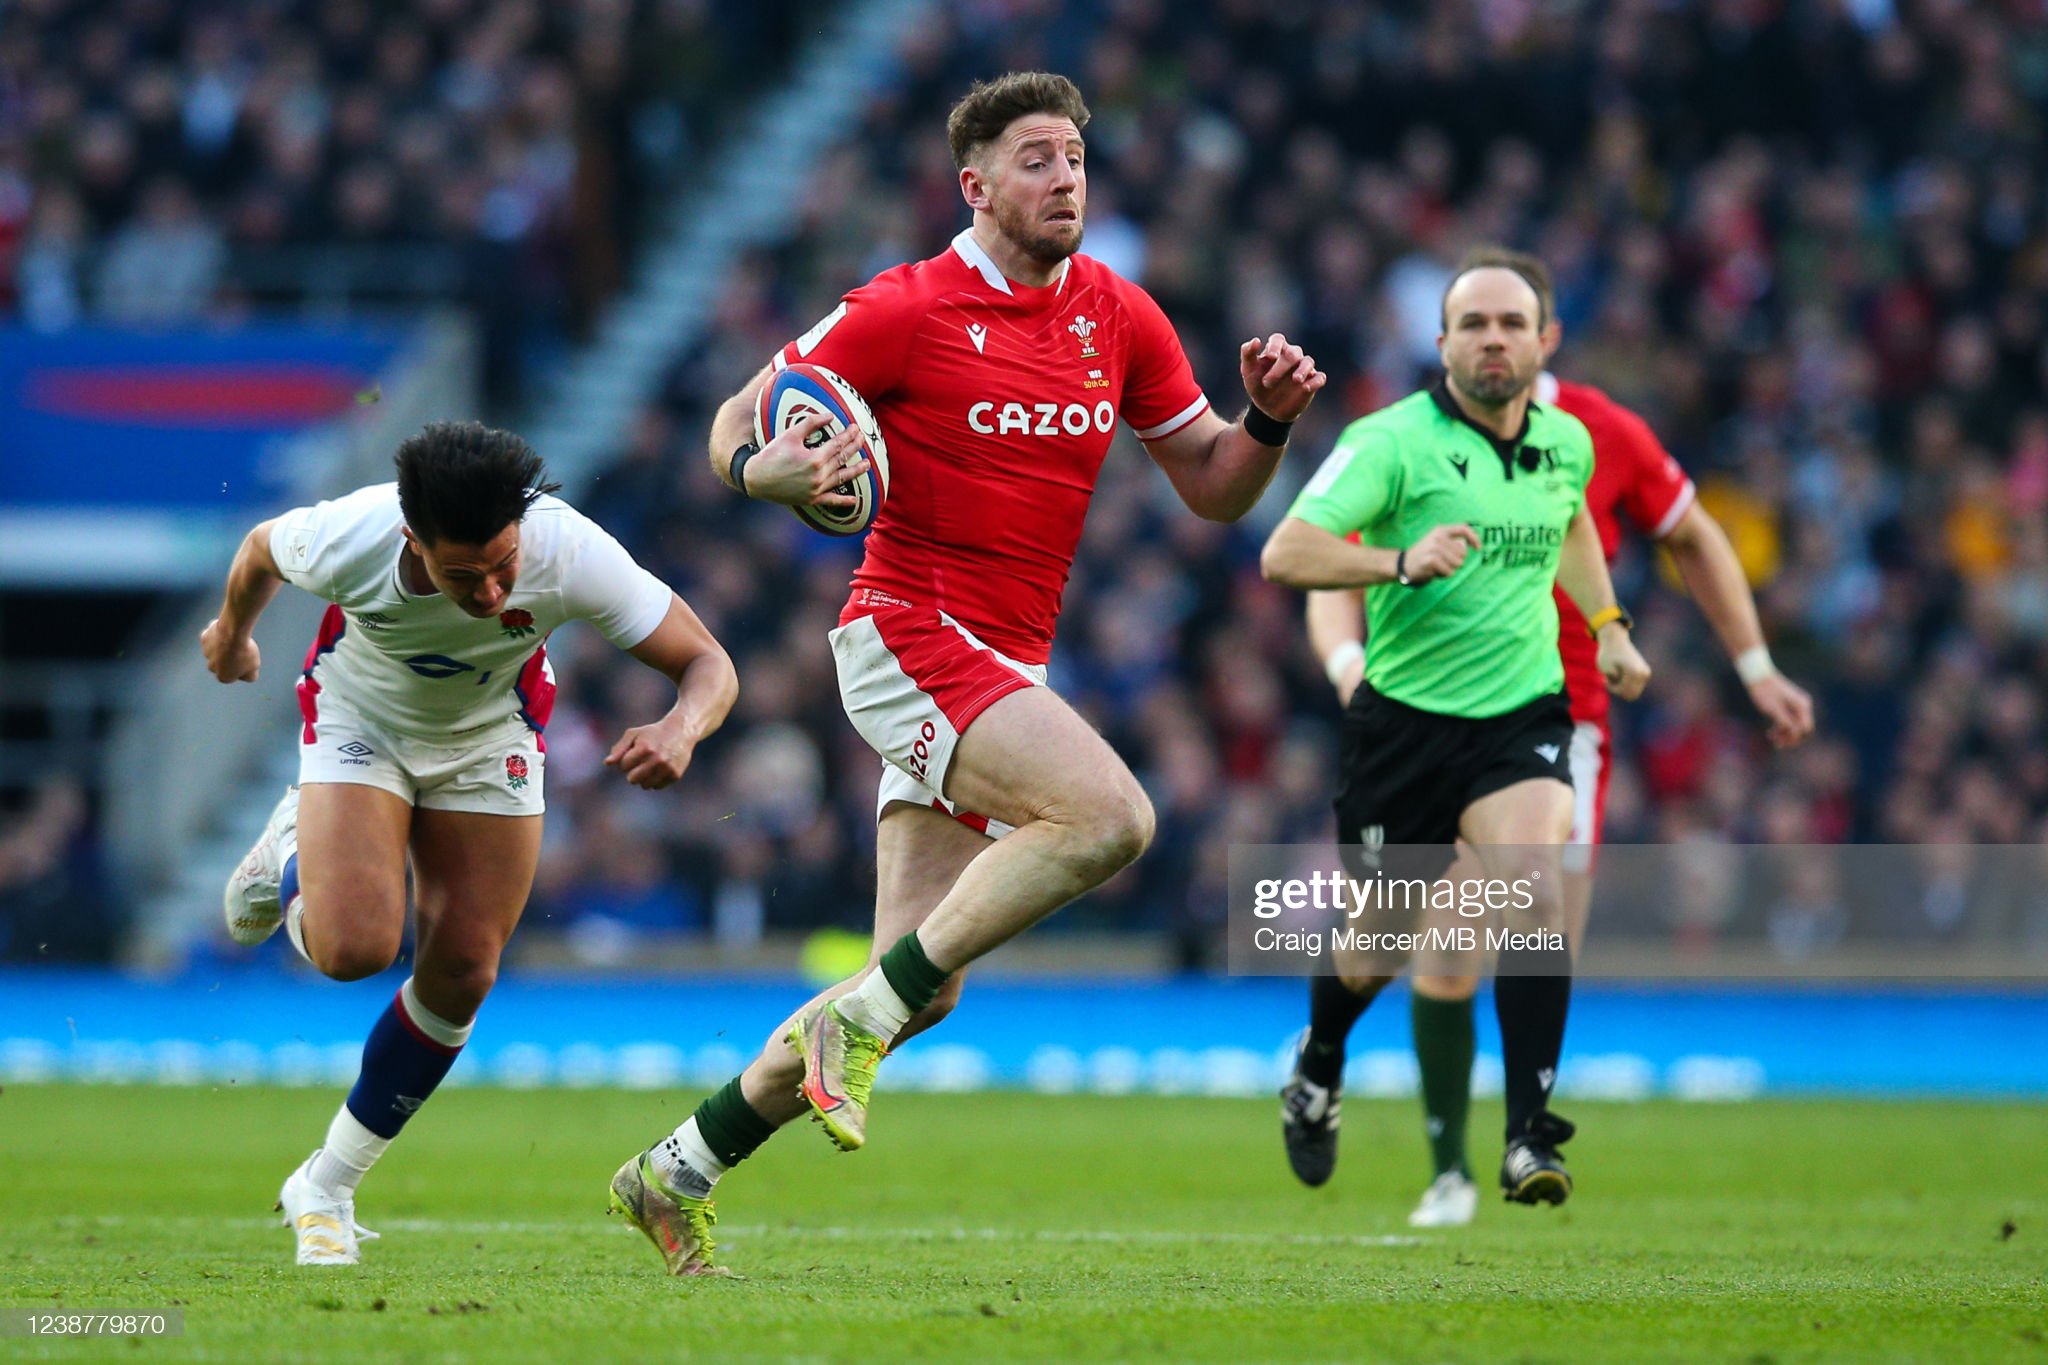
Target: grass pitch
<point>1015,1226</point>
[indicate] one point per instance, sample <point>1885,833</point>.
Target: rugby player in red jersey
<point>1633,477</point>
<point>998,369</point>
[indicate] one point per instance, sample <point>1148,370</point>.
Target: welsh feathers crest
<point>1083,328</point>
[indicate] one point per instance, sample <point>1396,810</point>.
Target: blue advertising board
<point>101,418</point>
<point>134,459</point>
<point>1194,1036</point>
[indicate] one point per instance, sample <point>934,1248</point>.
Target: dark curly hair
<point>465,482</point>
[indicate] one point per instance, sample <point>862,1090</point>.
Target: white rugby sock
<point>351,1150</point>
<point>875,1006</point>
<point>442,1031</point>
<point>295,928</point>
<point>683,1155</point>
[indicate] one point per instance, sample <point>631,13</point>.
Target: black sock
<point>1531,1004</point>
<point>1444,1043</point>
<point>1333,1008</point>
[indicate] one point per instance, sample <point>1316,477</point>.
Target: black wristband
<point>737,470</point>
<point>1401,570</point>
<point>1267,431</point>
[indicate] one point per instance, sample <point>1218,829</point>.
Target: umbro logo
<point>1459,465</point>
<point>1546,1078</point>
<point>355,748</point>
<point>1548,751</point>
<point>978,334</point>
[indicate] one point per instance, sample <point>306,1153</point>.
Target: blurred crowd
<point>54,902</point>
<point>1808,241</point>
<point>163,160</point>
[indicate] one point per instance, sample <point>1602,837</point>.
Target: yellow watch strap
<point>1606,616</point>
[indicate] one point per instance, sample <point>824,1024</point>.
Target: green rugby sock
<point>911,974</point>
<point>1444,1044</point>
<point>731,1127</point>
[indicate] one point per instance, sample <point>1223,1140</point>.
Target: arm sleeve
<point>1656,492</point>
<point>1357,485</point>
<point>607,587</point>
<point>1160,393</point>
<point>303,542</point>
<point>866,339</point>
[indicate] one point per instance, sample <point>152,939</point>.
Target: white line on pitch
<point>466,1228</point>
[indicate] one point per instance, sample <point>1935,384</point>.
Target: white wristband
<point>1340,659</point>
<point>1754,664</point>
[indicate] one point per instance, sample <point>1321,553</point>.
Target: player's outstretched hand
<point>1439,553</point>
<point>1280,378</point>
<point>795,474</point>
<point>1786,706</point>
<point>1626,671</point>
<point>652,756</point>
<point>229,659</point>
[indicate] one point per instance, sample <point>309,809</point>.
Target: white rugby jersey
<point>420,664</point>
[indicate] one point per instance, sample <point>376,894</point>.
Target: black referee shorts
<point>1406,775</point>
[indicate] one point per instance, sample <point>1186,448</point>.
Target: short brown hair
<point>1532,270</point>
<point>991,106</point>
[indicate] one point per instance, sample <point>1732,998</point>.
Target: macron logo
<point>977,334</point>
<point>1549,752</point>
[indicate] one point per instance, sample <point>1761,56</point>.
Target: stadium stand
<point>161,162</point>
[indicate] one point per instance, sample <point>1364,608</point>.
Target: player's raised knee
<point>345,957</point>
<point>1119,825</point>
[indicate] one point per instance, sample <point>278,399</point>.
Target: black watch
<point>736,468</point>
<point>1401,571</point>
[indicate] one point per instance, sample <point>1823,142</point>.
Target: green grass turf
<point>1013,1226</point>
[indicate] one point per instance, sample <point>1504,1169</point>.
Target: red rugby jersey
<point>1633,474</point>
<point>998,401</point>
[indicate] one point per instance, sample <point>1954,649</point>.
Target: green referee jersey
<point>1483,640</point>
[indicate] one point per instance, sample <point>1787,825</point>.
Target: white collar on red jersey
<point>970,251</point>
<point>1546,387</point>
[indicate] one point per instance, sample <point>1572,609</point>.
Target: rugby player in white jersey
<point>424,702</point>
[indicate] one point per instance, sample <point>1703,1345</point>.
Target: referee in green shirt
<point>1468,500</point>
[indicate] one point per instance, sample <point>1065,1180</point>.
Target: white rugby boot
<point>323,1222</point>
<point>1450,1202</point>
<point>251,901</point>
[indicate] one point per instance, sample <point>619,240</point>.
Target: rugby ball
<point>798,391</point>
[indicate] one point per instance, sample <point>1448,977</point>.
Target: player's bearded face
<point>1038,188</point>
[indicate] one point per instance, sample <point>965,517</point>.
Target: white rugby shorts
<point>495,769</point>
<point>912,679</point>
